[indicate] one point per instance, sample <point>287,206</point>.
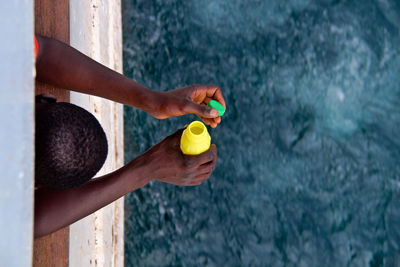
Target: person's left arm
<point>63,66</point>
<point>163,162</point>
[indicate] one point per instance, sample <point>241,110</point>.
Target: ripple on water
<point>308,170</point>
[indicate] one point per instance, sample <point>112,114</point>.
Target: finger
<point>206,120</point>
<point>176,136</point>
<point>200,110</point>
<point>214,150</point>
<point>217,120</point>
<point>214,122</point>
<point>206,100</point>
<point>211,122</point>
<point>196,161</point>
<point>201,177</point>
<point>190,180</point>
<point>204,171</point>
<point>197,183</point>
<point>205,168</point>
<point>214,92</point>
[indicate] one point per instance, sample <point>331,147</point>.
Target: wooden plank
<point>52,250</point>
<point>52,20</point>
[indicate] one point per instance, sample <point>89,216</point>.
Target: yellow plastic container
<point>195,139</point>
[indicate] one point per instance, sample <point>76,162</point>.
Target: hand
<point>190,100</point>
<point>168,164</point>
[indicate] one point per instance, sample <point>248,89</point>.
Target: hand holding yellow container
<point>195,139</point>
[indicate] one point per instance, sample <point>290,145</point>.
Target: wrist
<point>142,167</point>
<point>143,98</point>
<point>135,175</point>
<point>155,103</point>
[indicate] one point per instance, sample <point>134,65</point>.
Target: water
<point>309,151</point>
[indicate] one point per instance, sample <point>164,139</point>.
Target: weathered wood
<point>52,20</point>
<point>52,250</point>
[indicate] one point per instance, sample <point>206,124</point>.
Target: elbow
<point>39,227</point>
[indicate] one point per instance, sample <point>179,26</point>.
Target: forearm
<point>55,209</point>
<point>63,66</point>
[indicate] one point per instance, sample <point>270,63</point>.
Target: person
<point>61,65</point>
<point>70,144</point>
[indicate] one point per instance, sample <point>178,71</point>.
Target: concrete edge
<point>95,30</point>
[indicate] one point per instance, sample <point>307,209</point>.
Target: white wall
<point>16,133</point>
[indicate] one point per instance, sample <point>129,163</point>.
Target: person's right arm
<point>61,65</point>
<point>165,162</point>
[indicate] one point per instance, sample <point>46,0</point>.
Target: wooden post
<point>52,20</point>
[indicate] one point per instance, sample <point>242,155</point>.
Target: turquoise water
<point>308,171</point>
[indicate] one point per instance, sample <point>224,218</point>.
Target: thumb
<point>177,133</point>
<point>201,111</point>
<point>175,137</point>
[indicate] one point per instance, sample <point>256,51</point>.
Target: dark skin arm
<point>164,162</point>
<point>63,66</point>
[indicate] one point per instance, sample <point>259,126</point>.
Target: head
<point>71,146</point>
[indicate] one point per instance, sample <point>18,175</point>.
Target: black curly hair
<point>71,146</point>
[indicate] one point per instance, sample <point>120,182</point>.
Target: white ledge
<point>95,30</point>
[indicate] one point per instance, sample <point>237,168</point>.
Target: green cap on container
<point>217,106</point>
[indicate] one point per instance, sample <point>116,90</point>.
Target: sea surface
<point>308,167</point>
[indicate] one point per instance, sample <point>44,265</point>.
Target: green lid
<point>217,106</point>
